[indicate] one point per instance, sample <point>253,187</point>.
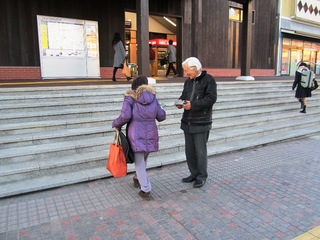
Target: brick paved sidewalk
<point>269,192</point>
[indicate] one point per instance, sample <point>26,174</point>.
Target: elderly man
<point>198,96</point>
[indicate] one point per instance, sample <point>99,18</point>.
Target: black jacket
<point>202,100</point>
<point>301,92</point>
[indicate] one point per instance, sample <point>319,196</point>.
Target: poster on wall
<point>68,48</point>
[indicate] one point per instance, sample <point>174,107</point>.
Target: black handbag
<point>314,85</point>
<point>124,142</point>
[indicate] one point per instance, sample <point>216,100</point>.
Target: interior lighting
<point>168,20</point>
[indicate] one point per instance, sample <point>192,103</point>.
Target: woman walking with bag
<point>302,93</point>
<point>119,55</point>
<point>141,110</point>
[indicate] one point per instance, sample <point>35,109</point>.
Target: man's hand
<point>187,105</point>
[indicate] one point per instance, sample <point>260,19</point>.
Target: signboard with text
<point>68,47</point>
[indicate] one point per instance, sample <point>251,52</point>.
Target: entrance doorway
<point>160,27</point>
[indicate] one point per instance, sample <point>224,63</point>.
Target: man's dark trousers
<point>196,154</point>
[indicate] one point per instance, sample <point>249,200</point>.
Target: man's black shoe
<point>188,179</point>
<point>198,183</point>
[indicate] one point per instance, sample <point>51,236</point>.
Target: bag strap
<point>117,139</point>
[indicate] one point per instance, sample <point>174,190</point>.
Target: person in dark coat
<point>301,93</point>
<point>119,55</point>
<point>172,58</point>
<point>198,96</point>
<point>141,110</point>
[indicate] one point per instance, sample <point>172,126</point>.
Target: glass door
<point>318,63</point>
<point>295,58</point>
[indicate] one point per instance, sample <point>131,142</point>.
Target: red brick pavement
<point>270,192</point>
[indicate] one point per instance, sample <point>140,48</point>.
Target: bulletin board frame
<point>68,48</point>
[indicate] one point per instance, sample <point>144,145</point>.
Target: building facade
<point>212,30</point>
<point>299,35</point>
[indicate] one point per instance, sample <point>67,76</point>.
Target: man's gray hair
<point>192,62</point>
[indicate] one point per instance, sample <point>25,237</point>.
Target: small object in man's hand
<point>180,102</point>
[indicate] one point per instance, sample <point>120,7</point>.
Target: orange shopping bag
<point>126,69</point>
<point>116,163</point>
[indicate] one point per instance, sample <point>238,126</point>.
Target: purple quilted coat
<point>141,108</point>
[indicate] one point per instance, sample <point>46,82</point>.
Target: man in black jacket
<point>198,96</point>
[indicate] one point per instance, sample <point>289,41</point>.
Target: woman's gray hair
<point>192,62</point>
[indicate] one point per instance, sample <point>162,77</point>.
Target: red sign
<point>160,42</point>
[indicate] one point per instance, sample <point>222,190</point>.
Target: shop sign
<point>161,42</point>
<point>127,24</point>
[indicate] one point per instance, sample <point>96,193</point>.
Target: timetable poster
<point>92,40</point>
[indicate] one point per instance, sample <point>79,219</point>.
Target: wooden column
<point>179,47</point>
<point>143,36</point>
<point>246,39</point>
<point>196,43</point>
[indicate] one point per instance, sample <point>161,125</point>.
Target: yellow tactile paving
<point>313,234</point>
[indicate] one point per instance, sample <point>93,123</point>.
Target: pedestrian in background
<point>199,94</point>
<point>172,58</point>
<point>152,57</point>
<point>119,55</point>
<point>302,93</point>
<point>140,110</point>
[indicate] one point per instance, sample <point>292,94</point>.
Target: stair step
<point>55,136</point>
<point>46,182</point>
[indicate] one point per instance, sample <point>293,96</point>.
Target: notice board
<point>69,48</point>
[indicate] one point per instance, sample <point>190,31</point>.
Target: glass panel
<point>297,43</point>
<point>235,14</point>
<point>313,60</point>
<point>285,60</point>
<point>287,41</point>
<point>307,44</point>
<point>295,58</point>
<point>306,55</point>
<point>318,64</point>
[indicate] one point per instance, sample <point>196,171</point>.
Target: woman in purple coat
<point>140,110</point>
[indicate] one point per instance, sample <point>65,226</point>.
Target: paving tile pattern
<point>270,192</point>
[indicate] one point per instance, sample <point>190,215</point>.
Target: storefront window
<point>294,51</point>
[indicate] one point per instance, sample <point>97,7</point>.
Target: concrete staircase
<point>54,136</point>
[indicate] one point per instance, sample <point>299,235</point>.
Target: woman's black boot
<point>114,74</point>
<point>304,109</point>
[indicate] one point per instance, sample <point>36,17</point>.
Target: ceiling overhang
<point>241,1</point>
